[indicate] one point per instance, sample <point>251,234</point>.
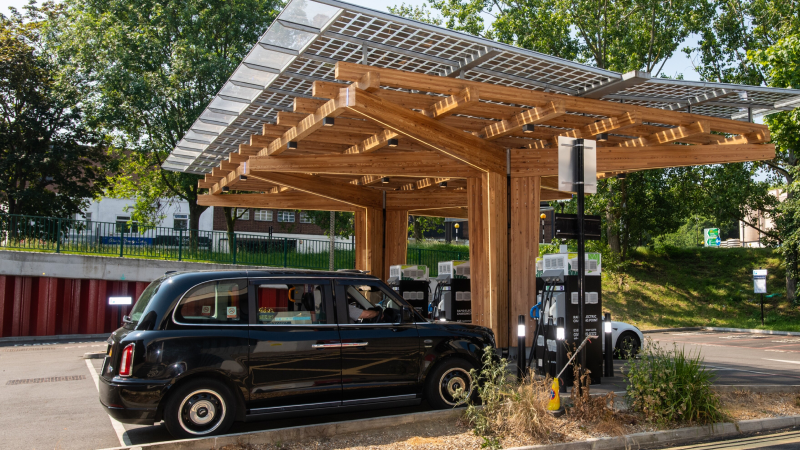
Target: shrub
<point>669,386</point>
<point>509,408</point>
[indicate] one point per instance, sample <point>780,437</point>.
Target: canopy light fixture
<point>225,189</point>
<point>622,176</point>
<point>328,121</point>
<point>385,180</point>
<point>602,137</point>
<point>292,145</point>
<point>243,177</point>
<point>443,184</point>
<point>528,128</point>
<point>392,143</point>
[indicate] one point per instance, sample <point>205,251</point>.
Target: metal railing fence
<point>59,235</point>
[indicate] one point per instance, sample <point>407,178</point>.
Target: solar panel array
<point>309,37</point>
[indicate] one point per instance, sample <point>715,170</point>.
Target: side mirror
<point>407,315</point>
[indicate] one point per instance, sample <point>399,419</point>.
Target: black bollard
<point>521,347</point>
<point>609,354</point>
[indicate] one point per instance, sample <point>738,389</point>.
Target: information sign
<point>760,281</point>
<point>711,237</point>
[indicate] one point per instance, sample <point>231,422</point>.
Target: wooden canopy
<point>384,143</point>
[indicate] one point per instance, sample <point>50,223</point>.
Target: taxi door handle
<point>321,346</point>
<point>354,344</point>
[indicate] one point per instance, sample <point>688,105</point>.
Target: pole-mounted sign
<point>760,287</point>
<point>577,172</point>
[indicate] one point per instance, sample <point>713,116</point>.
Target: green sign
<point>711,237</point>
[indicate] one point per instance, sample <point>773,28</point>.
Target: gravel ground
<point>454,434</point>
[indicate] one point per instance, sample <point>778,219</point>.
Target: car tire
<point>443,381</point>
<point>199,408</point>
<point>627,342</point>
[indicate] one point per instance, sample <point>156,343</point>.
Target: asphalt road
<point>50,397</point>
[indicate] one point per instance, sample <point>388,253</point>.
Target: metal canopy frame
<point>310,36</point>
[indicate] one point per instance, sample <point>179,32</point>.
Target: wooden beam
<point>424,183</point>
<point>396,240</point>
<point>605,126</point>
<point>366,180</point>
<point>419,200</point>
<point>669,135</point>
<point>422,164</point>
<point>488,246</point>
<point>524,248</point>
<point>615,159</point>
<point>369,240</point>
<point>286,200</point>
<point>456,213</point>
<point>532,116</point>
<point>443,85</point>
<point>332,189</point>
<point>446,140</point>
<point>464,99</point>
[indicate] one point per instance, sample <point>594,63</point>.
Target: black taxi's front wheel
<point>199,408</point>
<point>446,381</point>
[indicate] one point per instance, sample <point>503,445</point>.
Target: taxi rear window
<point>215,302</point>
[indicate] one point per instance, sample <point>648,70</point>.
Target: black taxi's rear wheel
<point>445,383</point>
<point>199,408</point>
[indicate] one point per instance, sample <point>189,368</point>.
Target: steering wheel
<point>379,317</point>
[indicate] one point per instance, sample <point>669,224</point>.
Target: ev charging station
<point>452,298</point>
<point>412,283</point>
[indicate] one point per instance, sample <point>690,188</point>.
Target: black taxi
<point>201,350</point>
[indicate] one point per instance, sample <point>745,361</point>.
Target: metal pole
<point>609,345</point>
<point>521,347</point>
<point>180,244</point>
<point>122,240</point>
<point>578,148</point>
<point>560,334</point>
<point>331,246</point>
<point>58,236</point>
<point>234,248</point>
<point>762,309</point>
<point>285,250</point>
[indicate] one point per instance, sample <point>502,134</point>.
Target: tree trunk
<point>417,229</point>
<point>195,211</point>
<point>230,222</point>
<point>621,215</point>
<point>612,232</point>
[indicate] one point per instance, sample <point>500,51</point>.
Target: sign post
<point>577,172</point>
<point>760,287</point>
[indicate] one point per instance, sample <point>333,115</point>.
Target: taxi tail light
<point>126,362</point>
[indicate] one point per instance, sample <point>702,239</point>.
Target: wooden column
<point>369,240</point>
<point>396,239</point>
<point>488,247</point>
<point>525,237</point>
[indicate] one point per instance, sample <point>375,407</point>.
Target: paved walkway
<point>780,441</point>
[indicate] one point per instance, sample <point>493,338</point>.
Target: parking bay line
<point>778,360</point>
<point>116,424</point>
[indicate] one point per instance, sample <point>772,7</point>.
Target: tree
<point>619,35</point>
<point>420,224</point>
<point>51,162</point>
<point>231,216</point>
<point>154,66</point>
<point>344,222</point>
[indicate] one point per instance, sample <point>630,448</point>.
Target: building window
<point>263,215</point>
<point>304,218</point>
<point>242,214</point>
<point>285,216</point>
<point>124,225</point>
<point>180,221</point>
<point>88,218</point>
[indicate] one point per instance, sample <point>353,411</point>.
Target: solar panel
<point>310,36</point>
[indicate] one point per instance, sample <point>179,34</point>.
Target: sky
<point>678,64</point>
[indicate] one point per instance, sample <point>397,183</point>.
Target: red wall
<point>44,306</point>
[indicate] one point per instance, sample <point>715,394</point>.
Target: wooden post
<point>369,240</point>
<point>525,236</point>
<point>488,246</point>
<point>396,239</point>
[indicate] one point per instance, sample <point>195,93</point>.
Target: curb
<point>674,436</point>
<point>62,337</point>
<point>757,389</point>
<point>298,433</point>
<point>665,330</point>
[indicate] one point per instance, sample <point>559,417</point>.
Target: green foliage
<point>154,66</point>
<point>51,161</point>
<point>583,30</point>
<point>421,224</point>
<point>343,223</point>
<point>671,386</point>
<point>495,386</point>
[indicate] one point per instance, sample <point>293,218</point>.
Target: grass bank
<point>699,287</point>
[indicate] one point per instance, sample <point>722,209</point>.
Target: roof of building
<point>309,37</point>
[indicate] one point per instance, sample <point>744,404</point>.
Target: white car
<point>624,336</point>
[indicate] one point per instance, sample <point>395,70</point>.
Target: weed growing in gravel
<point>669,386</point>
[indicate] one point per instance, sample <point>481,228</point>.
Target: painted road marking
<point>782,360</point>
<point>118,428</point>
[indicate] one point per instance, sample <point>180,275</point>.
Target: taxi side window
<point>291,304</point>
<point>215,302</point>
